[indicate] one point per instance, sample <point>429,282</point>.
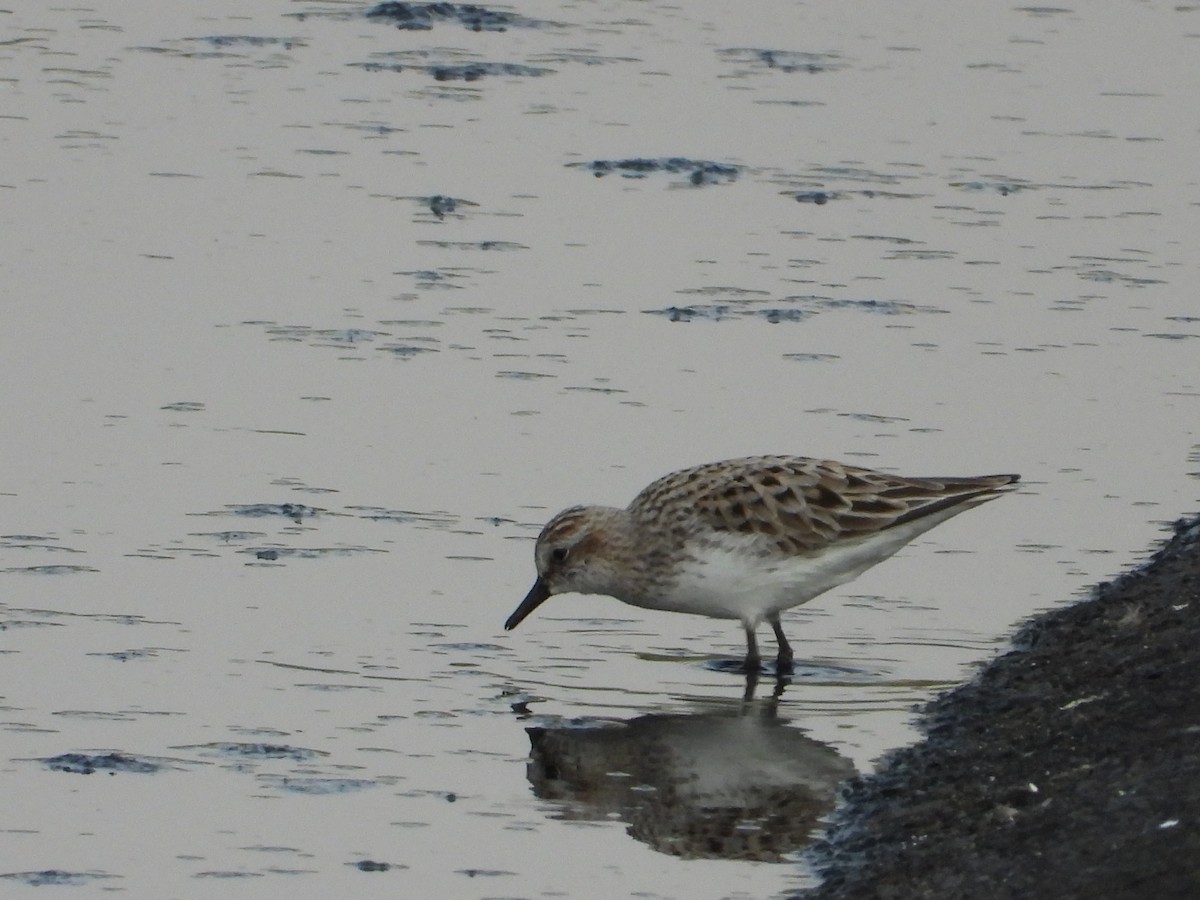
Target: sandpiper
<point>744,538</point>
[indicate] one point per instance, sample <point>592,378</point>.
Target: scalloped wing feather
<point>803,504</point>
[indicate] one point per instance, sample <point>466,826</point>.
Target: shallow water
<point>300,350</point>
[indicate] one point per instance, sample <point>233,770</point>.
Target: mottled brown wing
<point>801,503</point>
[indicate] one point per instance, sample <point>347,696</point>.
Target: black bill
<point>536,597</point>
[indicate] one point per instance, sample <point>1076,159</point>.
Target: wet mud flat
<point>1070,767</point>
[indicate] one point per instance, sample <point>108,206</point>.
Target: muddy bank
<point>1069,768</point>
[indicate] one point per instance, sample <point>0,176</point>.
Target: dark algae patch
<point>1070,767</point>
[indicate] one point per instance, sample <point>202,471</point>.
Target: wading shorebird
<point>744,538</point>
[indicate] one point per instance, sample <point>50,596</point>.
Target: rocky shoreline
<point>1070,767</point>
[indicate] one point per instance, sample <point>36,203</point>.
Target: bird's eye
<point>558,554</point>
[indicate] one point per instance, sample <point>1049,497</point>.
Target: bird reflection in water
<point>731,784</point>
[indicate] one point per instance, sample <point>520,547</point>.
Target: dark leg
<point>783,662</point>
<point>751,684</point>
<point>753,660</point>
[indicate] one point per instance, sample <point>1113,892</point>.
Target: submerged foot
<point>752,665</point>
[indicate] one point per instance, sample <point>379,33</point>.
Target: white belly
<point>730,581</point>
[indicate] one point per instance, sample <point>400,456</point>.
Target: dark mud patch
<point>184,406</point>
<point>716,312</point>
<point>272,51</point>
<point>294,511</point>
<point>49,570</point>
<point>223,41</point>
<point>230,537</point>
<point>696,171</point>
<point>1067,768</point>
<point>472,71</point>
<point>488,246</point>
<point>436,519</point>
<point>33,542</point>
<point>441,205</point>
<point>135,653</point>
<point>784,60</point>
<point>435,278</point>
<point>271,554</point>
<point>1003,187</point>
<point>336,338</point>
<point>241,752</point>
<point>424,16</point>
<point>407,351</point>
<point>818,198</point>
<point>315,786</point>
<point>55,877</point>
<point>371,865</point>
<point>89,764</point>
<point>723,303</point>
